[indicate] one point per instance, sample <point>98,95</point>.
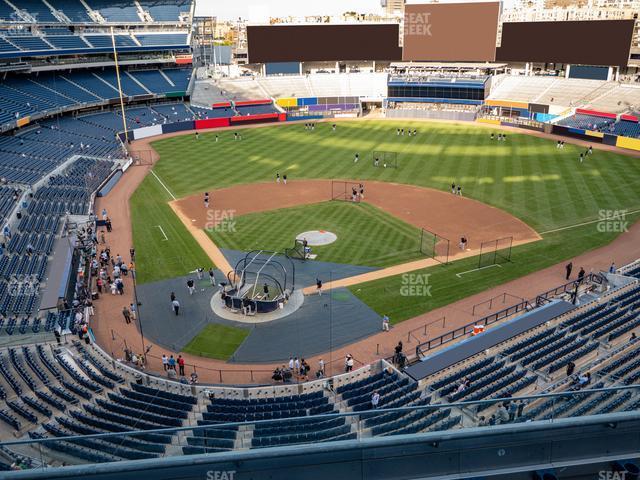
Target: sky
<point>259,10</point>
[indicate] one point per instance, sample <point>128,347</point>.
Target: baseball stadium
<point>289,240</point>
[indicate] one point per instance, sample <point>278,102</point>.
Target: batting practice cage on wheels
<point>341,190</point>
<point>434,246</point>
<point>495,252</point>
<point>297,251</point>
<point>382,159</point>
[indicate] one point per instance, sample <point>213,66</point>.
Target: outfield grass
<point>216,341</point>
<point>526,176</point>
<point>390,296</point>
<point>366,234</point>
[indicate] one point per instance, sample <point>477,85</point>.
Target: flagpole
<point>115,56</point>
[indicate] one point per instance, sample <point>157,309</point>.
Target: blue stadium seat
<point>163,39</point>
<point>71,42</point>
<point>166,11</point>
<point>38,10</point>
<point>30,43</point>
<point>7,13</point>
<point>72,9</point>
<point>105,41</point>
<point>119,13</point>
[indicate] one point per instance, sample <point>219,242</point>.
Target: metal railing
<point>424,327</point>
<point>493,300</point>
<point>253,377</point>
<point>424,347</point>
<point>547,408</point>
<point>569,287</point>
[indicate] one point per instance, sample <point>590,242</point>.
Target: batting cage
<point>142,157</point>
<point>296,252</point>
<point>341,190</point>
<point>434,246</point>
<point>381,159</point>
<point>495,252</point>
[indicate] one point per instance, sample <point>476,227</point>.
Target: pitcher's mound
<point>317,238</point>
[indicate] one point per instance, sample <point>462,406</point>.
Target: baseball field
<point>563,200</point>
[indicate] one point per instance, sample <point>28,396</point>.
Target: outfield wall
<point>571,132</point>
<point>587,135</point>
<point>146,132</point>
<point>258,118</point>
<point>628,143</point>
<point>178,126</point>
<point>212,123</point>
<point>204,124</point>
<point>303,118</point>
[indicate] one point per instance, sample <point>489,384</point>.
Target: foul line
<point>209,247</point>
<point>584,223</point>
<point>162,183</point>
<point>476,269</point>
<point>164,234</point>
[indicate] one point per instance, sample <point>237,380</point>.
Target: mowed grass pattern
<point>389,296</point>
<point>366,234</point>
<point>217,341</point>
<point>164,247</point>
<point>527,176</point>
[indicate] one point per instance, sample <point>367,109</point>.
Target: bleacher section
<point>64,42</point>
<point>7,13</point>
<point>23,265</point>
<point>521,88</point>
<point>587,122</point>
<point>565,92</point>
<point>68,44</point>
<point>73,390</point>
<point>162,39</point>
<point>115,12</point>
<point>540,354</point>
<point>168,11</point>
<point>620,98</point>
<point>256,109</point>
<point>35,152</point>
<point>369,85</point>
<point>74,11</point>
<point>33,44</point>
<point>571,91</point>
<point>623,125</point>
<point>105,41</point>
<point>626,128</point>
<point>22,96</point>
